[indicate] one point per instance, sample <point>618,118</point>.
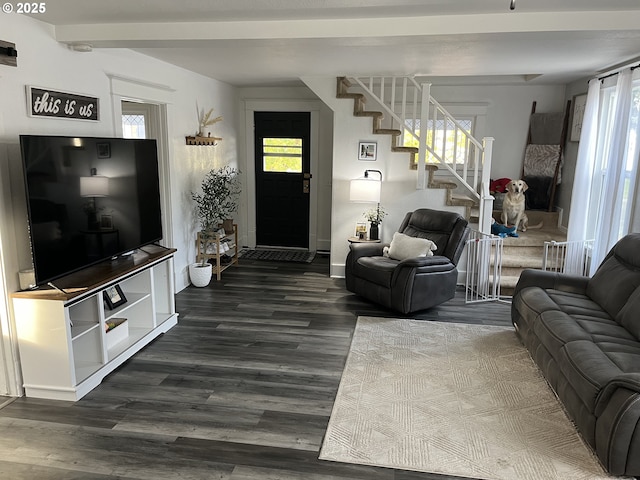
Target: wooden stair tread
<point>390,131</point>
<point>405,149</point>
<point>511,260</point>
<point>368,113</point>
<point>355,96</point>
<point>442,184</point>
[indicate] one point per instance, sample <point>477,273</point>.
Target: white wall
<point>44,62</point>
<point>507,120</point>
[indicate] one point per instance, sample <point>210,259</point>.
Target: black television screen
<point>89,199</point>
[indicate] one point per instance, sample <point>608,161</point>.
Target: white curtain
<point>611,216</point>
<point>600,206</point>
<point>578,230</point>
<point>585,166</point>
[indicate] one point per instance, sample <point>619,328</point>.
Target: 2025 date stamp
<point>24,7</point>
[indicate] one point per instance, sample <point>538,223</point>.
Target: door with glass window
<point>283,178</point>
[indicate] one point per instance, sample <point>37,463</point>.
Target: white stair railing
<point>408,106</point>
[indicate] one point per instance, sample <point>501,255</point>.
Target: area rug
<point>453,399</point>
<point>297,256</point>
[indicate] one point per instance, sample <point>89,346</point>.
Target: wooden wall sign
<point>43,102</point>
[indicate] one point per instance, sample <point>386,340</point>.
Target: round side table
<point>358,240</point>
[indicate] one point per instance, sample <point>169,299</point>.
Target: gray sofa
<point>584,334</point>
<point>411,284</point>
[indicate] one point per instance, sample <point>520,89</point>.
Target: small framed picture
<point>104,150</point>
<point>368,151</point>
<point>106,222</point>
<point>114,297</point>
<point>361,230</point>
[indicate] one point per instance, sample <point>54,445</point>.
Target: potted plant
<point>375,216</point>
<point>217,201</point>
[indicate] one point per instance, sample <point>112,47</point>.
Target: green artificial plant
<point>219,198</point>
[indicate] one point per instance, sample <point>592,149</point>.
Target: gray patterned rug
<point>452,399</point>
<point>297,256</point>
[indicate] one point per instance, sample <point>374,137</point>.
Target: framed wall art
<point>368,151</point>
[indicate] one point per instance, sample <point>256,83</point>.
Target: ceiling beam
<point>135,34</point>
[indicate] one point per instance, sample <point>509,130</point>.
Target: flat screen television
<point>89,199</point>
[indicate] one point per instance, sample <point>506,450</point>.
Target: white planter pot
<point>199,274</point>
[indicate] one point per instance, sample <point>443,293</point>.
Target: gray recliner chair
<point>416,283</point>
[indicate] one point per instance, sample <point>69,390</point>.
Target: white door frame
<point>10,373</point>
<point>252,106</point>
<point>160,99</point>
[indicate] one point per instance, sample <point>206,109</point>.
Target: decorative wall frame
<point>579,104</point>
<point>103,150</point>
<point>368,151</point>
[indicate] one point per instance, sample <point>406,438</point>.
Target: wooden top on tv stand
<point>98,275</point>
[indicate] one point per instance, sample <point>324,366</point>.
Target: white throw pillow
<point>403,247</point>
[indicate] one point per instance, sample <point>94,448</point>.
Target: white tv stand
<point>65,350</point>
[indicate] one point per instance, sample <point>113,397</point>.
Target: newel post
<point>424,121</point>
<point>486,199</point>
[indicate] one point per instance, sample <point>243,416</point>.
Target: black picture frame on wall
<point>114,297</point>
<point>368,151</point>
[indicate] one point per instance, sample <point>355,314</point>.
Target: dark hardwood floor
<point>242,389</point>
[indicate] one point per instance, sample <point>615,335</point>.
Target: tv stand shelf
<point>65,348</point>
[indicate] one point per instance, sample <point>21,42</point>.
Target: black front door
<point>282,178</point>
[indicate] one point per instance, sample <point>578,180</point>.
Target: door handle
<point>306,182</point>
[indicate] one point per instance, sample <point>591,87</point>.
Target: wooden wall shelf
<point>213,141</point>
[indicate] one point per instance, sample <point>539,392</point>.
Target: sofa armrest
<point>617,432</point>
<point>627,381</point>
<point>357,250</point>
<point>557,281</point>
<point>418,262</point>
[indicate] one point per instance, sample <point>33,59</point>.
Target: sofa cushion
<point>403,247</point>
<point>378,270</point>
<point>617,277</point>
<point>555,328</point>
<point>576,304</point>
<point>629,314</point>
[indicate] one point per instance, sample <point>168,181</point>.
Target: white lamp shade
<point>365,190</point>
<point>94,186</point>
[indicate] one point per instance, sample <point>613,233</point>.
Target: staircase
<point>402,105</point>
<point>527,250</point>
